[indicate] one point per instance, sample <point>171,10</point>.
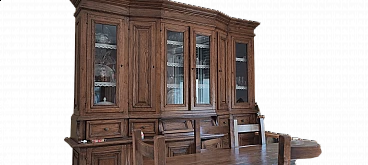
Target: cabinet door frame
<point>213,70</point>
<point>185,30</point>
<point>250,72</point>
<point>121,62</point>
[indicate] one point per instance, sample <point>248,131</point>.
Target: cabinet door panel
<point>106,59</point>
<point>142,55</point>
<point>176,57</point>
<point>203,72</point>
<point>242,81</point>
<point>180,148</point>
<point>112,155</point>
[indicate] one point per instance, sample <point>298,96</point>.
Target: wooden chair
<point>249,128</point>
<point>214,130</point>
<point>284,150</point>
<point>271,137</point>
<point>155,151</point>
<point>211,131</point>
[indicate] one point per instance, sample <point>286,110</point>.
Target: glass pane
<point>105,65</point>
<point>175,68</point>
<point>203,69</point>
<point>241,77</point>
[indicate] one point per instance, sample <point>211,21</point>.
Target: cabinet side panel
<point>76,65</point>
<point>80,64</point>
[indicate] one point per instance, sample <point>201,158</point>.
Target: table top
<point>253,155</point>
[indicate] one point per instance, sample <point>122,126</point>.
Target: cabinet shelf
<point>241,87</point>
<point>202,66</point>
<point>240,60</point>
<point>173,64</point>
<point>105,84</point>
<point>181,44</point>
<point>203,86</point>
<point>200,86</point>
<point>105,46</point>
<point>172,86</point>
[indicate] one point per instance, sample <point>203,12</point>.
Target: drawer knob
<point>224,122</point>
<point>106,129</point>
<point>242,120</point>
<point>143,127</point>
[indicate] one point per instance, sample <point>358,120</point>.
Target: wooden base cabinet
<point>108,155</point>
<point>156,65</point>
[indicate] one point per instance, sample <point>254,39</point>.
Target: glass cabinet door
<point>175,68</point>
<point>241,73</point>
<point>202,63</point>
<point>105,56</point>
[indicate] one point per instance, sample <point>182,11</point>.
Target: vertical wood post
<point>197,135</point>
<point>284,150</point>
<point>159,150</point>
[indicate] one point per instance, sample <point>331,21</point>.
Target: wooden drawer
<point>247,119</point>
<point>99,129</point>
<point>223,120</point>
<point>148,126</point>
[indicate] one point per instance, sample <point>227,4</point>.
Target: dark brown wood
<point>141,77</point>
<point>225,121</point>
<point>222,72</point>
<point>271,137</point>
<point>197,135</point>
<point>252,155</point>
<point>213,71</point>
<point>100,129</point>
<point>250,84</point>
<point>111,155</point>
<point>221,132</point>
<point>142,69</point>
<point>94,18</point>
<point>148,126</point>
<point>183,29</point>
<point>284,150</point>
<point>155,151</point>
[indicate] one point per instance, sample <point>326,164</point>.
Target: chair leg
<point>284,150</point>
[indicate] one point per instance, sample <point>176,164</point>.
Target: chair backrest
<point>142,149</point>
<point>284,150</point>
<point>249,128</point>
<point>213,130</point>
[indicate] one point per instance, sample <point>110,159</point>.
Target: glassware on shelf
<point>102,38</point>
<point>104,102</point>
<point>105,56</point>
<point>241,75</point>
<point>103,73</point>
<point>202,69</point>
<point>174,68</point>
<point>105,34</point>
<point>240,81</point>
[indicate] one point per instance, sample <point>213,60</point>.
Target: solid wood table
<point>252,155</point>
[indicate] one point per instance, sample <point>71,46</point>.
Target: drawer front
<point>148,126</point>
<point>247,119</point>
<point>223,121</point>
<point>105,129</point>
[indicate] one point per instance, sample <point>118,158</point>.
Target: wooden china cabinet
<point>156,65</point>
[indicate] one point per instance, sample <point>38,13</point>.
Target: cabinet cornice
<point>161,8</point>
